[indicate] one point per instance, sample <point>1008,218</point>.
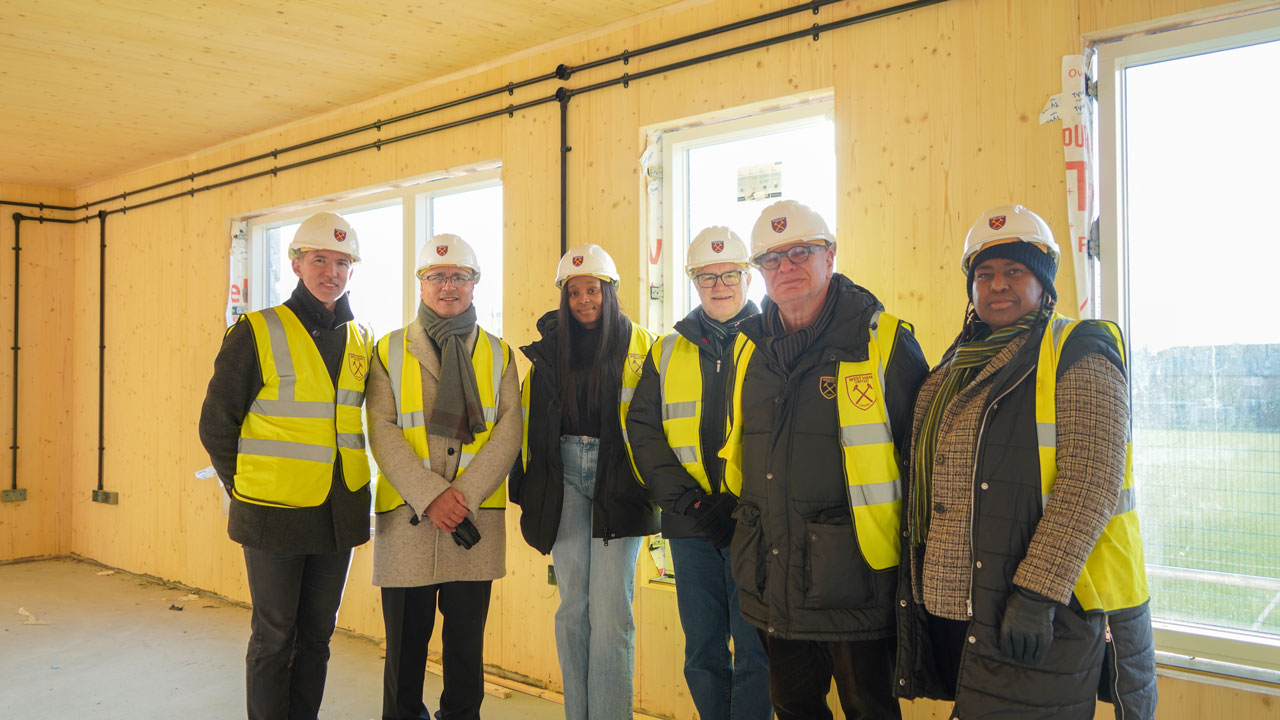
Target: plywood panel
<point>39,526</point>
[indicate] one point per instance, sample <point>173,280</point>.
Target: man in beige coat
<point>443,403</point>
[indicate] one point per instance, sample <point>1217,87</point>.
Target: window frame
<point>676,144</point>
<point>1221,651</point>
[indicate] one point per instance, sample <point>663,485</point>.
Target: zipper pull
<point>717,366</point>
<point>968,606</point>
<point>1108,626</point>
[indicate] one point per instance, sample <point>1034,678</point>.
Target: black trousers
<point>410,616</point>
<point>295,608</point>
<point>800,674</point>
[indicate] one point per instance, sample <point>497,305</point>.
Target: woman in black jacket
<point>580,497</point>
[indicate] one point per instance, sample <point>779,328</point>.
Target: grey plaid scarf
<point>457,412</point>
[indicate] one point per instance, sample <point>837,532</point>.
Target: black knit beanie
<point>1040,263</point>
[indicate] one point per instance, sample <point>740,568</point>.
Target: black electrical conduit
<point>563,95</point>
<point>562,72</point>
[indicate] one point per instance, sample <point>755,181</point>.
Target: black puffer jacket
<point>1082,665</point>
<point>672,486</point>
<point>622,506</point>
<point>796,560</point>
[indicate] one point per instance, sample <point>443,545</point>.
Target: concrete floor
<point>111,648</point>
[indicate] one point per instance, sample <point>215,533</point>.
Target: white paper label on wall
<point>760,182</point>
<point>1067,107</point>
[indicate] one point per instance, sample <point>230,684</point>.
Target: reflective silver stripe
<point>292,409</point>
<point>668,347</point>
<point>1126,502</point>
<point>464,459</point>
<point>395,360</point>
<point>1047,434</point>
<point>280,353</point>
<point>353,398</point>
<point>1059,325</point>
<point>286,449</point>
<point>351,441</point>
<point>686,454</point>
<point>672,411</point>
<point>626,440</point>
<point>491,415</point>
<point>873,434</point>
<point>414,419</point>
<point>627,393</point>
<point>874,494</point>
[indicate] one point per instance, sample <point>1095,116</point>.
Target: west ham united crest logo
<point>827,386</point>
<point>778,224</point>
<point>996,222</point>
<point>635,362</point>
<point>717,246</point>
<point>577,261</point>
<point>861,392</point>
<point>339,235</point>
<point>442,250</point>
<point>358,365</point>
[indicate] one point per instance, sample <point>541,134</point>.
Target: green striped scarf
<point>966,363</point>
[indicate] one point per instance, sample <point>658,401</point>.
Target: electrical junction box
<point>106,497</point>
<point>15,495</point>
<point>551,574</point>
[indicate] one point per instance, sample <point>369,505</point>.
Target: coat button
<point>902,681</point>
<point>902,603</point>
<point>984,486</point>
<point>770,629</point>
<point>768,476</point>
<point>450,451</point>
<point>774,551</point>
<point>978,564</point>
<point>940,460</point>
<point>972,639</point>
<point>939,508</point>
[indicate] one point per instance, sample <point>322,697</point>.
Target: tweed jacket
<point>407,555</point>
<point>1092,403</point>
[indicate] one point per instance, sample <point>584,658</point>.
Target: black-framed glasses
<point>708,280</point>
<point>439,280</point>
<point>797,254</point>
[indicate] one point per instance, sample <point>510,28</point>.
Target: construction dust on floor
<point>78,640</point>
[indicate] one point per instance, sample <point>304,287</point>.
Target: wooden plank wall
<point>936,120</point>
<point>41,525</point>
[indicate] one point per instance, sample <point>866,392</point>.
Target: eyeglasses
<point>438,280</point>
<point>708,280</point>
<point>797,254</point>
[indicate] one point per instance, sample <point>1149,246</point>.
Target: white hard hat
<point>325,231</point>
<point>586,259</point>
<point>447,249</point>
<point>715,244</point>
<point>786,222</point>
<point>1007,223</point>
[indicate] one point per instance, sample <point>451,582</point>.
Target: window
<point>392,225</point>
<point>1188,179</point>
<point>725,173</point>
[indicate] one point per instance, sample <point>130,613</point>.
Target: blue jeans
<point>595,631</point>
<point>723,686</point>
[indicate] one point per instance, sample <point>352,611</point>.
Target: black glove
<point>713,518</point>
<point>1027,628</point>
<point>466,534</point>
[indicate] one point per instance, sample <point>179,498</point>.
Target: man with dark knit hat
<point>1023,591</point>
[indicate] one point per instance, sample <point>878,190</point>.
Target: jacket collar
<point>317,315</point>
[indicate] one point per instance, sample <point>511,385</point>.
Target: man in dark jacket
<point>283,427</point>
<point>824,381</point>
<point>677,426</point>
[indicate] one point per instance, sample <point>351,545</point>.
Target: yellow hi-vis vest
<point>489,358</point>
<point>680,383</point>
<point>1114,575</point>
<point>299,422</point>
<point>642,340</point>
<point>866,441</point>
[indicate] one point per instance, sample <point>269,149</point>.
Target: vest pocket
<point>747,559</point>
<point>836,575</point>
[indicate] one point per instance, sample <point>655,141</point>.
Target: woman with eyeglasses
<point>581,499</point>
<point>677,427</point>
<point>442,399</point>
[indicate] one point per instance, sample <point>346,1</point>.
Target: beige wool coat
<point>407,555</point>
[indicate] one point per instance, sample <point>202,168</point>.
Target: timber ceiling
<point>90,89</point>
